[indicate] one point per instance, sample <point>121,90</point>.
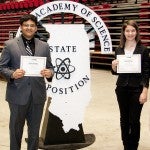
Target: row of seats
<point>20,5</point>
<point>105,11</point>
<point>35,3</point>
<point>146,25</point>
<point>9,22</point>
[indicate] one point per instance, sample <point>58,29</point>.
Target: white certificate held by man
<point>32,65</point>
<point>130,64</point>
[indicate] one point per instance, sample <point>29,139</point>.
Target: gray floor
<point>101,116</point>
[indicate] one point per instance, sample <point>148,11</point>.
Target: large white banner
<point>70,88</point>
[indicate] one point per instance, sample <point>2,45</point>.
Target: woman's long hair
<point>123,38</point>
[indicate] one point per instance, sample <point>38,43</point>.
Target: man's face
<point>28,29</point>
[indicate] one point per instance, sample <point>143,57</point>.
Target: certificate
<point>130,64</point>
<point>32,65</point>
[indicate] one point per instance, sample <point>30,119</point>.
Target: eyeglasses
<point>29,25</point>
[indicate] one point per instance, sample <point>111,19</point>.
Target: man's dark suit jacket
<point>18,90</point>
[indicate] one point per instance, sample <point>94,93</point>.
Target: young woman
<point>132,88</point>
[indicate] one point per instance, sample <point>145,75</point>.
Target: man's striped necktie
<point>28,49</point>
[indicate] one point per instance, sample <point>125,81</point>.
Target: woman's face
<point>130,33</point>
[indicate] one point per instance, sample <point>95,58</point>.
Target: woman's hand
<point>143,96</point>
<point>114,65</point>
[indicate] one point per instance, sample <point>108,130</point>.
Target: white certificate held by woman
<point>129,64</point>
<point>32,65</point>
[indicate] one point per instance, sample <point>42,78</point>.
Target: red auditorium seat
<point>8,6</point>
<point>144,16</point>
<point>85,1</point>
<point>4,6</point>
<point>145,4</point>
<point>144,12</point>
<point>25,4</point>
<point>36,3</point>
<point>21,5</point>
<point>106,5</point>
<point>12,5</point>
<point>41,2</point>
<point>4,34</point>
<point>30,3</point>
<point>16,5</point>
<point>1,7</point>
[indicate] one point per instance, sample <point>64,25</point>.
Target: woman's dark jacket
<point>135,79</point>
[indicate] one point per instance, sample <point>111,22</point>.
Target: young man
<point>25,95</point>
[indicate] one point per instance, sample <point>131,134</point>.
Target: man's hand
<point>47,73</point>
<point>19,73</point>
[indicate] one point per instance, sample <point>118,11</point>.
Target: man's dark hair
<point>28,17</point>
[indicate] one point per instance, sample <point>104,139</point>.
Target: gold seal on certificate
<point>129,64</point>
<point>32,65</point>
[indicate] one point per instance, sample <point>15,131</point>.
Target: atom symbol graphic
<point>63,68</point>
